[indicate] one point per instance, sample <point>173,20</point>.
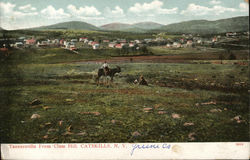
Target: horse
<point>111,73</point>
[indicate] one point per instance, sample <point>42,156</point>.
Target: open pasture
<point>194,101</point>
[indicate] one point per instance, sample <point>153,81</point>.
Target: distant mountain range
<point>115,26</point>
<point>72,25</point>
<point>236,24</point>
<point>131,27</point>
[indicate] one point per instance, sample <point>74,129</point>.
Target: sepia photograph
<point>139,73</point>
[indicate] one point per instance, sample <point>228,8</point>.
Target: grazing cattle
<point>111,73</point>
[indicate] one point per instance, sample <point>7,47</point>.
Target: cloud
<point>27,8</point>
<point>116,12</point>
<point>12,18</point>
<point>92,18</point>
<point>155,7</point>
<point>198,10</point>
<point>244,7</point>
<point>214,2</point>
<point>83,11</point>
<point>7,10</point>
<point>51,13</point>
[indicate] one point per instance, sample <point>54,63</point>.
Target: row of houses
<point>119,43</point>
<point>187,40</point>
<point>235,34</point>
<point>22,42</point>
<point>182,42</point>
<point>190,42</point>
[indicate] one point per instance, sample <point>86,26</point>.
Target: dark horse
<point>111,73</point>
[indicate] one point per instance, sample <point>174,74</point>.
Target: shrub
<point>232,57</point>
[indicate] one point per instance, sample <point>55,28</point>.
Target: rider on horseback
<point>106,71</point>
<point>105,67</point>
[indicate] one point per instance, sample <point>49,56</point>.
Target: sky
<point>18,14</point>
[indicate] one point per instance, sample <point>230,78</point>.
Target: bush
<point>232,57</point>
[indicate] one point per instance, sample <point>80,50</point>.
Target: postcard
<point>115,79</point>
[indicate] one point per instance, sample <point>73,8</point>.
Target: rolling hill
<point>136,27</point>
<point>115,26</point>
<point>72,25</point>
<point>147,25</point>
<point>235,24</point>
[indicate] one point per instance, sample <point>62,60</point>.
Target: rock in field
<point>35,116</point>
<point>215,110</point>
<point>161,112</point>
<point>188,124</point>
<point>238,119</point>
<point>113,121</point>
<point>47,107</point>
<point>67,133</point>
<point>46,137</point>
<point>69,100</point>
<point>147,109</point>
<point>47,124</point>
<point>175,116</point>
<point>136,133</point>
<point>60,123</point>
<point>191,136</point>
<point>209,103</point>
<point>35,102</point>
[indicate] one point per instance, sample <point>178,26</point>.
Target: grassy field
<point>163,50</point>
<point>200,52</point>
<point>184,102</point>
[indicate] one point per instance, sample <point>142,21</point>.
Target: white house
<point>131,44</point>
<point>90,43</point>
<point>55,41</point>
<point>74,40</point>
<point>137,41</point>
<point>199,41</point>
<point>96,46</point>
<point>189,43</point>
<point>176,45</point>
<point>105,41</point>
<point>168,45</point>
<point>214,39</point>
<point>112,45</point>
<point>83,39</point>
<point>18,44</point>
<point>65,43</point>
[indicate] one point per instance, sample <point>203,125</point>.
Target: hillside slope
<point>147,25</point>
<point>235,24</point>
<point>136,27</point>
<point>72,25</point>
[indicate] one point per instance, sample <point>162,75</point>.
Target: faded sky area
<point>16,14</point>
